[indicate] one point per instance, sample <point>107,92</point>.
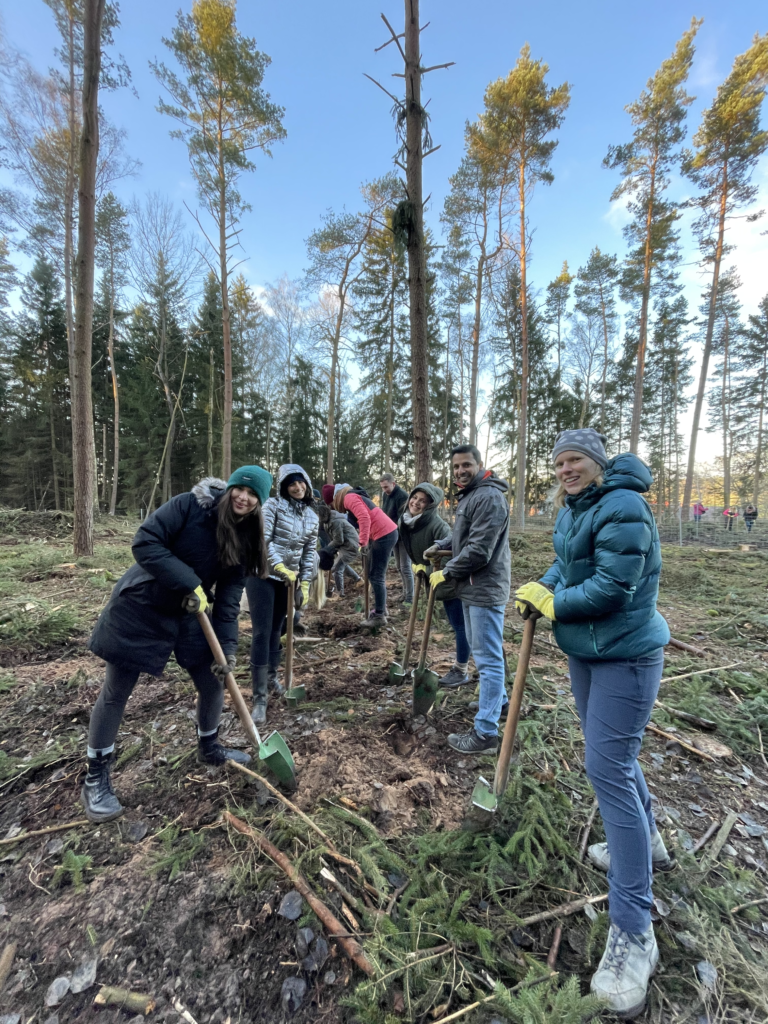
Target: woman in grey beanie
<point>601,597</point>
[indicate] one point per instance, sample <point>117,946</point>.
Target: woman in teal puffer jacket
<point>601,595</point>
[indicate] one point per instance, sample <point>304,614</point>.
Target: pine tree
<point>596,298</point>
<point>754,390</point>
<point>556,311</point>
<point>724,414</point>
<point>646,164</point>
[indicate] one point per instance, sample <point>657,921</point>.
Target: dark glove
<point>365,550</point>
<point>220,670</point>
<point>195,602</point>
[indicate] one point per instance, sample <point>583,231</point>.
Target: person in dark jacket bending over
<point>211,536</point>
<point>601,596</point>
<point>479,570</point>
<point>393,501</point>
<point>290,530</point>
<point>421,527</point>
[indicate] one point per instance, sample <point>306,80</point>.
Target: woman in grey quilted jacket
<point>290,533</point>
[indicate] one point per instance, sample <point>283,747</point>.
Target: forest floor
<point>172,902</point>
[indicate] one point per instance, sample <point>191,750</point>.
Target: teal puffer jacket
<point>606,573</point>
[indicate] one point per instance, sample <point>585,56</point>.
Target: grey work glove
<point>220,671</point>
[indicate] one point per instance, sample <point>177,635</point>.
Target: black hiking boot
<point>273,683</point>
<point>210,751</point>
<point>260,683</point>
<point>97,795</point>
<point>472,743</point>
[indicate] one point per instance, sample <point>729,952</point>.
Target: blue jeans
<point>454,609</point>
<point>378,559</point>
<point>485,629</point>
<point>614,700</point>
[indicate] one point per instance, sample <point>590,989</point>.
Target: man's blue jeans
<point>614,700</point>
<point>485,630</point>
<point>454,610</point>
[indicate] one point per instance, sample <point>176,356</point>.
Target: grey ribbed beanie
<point>585,440</point>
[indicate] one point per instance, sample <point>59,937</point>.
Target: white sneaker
<point>624,972</point>
<point>662,860</point>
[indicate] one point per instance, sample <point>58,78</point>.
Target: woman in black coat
<point>210,537</point>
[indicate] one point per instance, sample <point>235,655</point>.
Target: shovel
<point>485,798</point>
<point>425,682</point>
<point>273,751</point>
<point>293,694</point>
<point>396,670</point>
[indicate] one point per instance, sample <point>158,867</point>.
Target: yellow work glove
<point>536,596</point>
<point>288,574</point>
<point>437,578</point>
<point>195,602</point>
<point>416,569</point>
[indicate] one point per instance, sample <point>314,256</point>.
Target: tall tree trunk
<point>332,398</point>
<point>104,462</point>
<point>390,373</point>
<point>54,455</point>
<point>707,346</point>
<point>115,396</point>
<point>605,361</point>
<point>760,421</point>
<point>446,481</point>
<point>519,509</point>
<point>725,402</point>
<point>82,411</point>
<point>226,432</point>
<point>162,371</point>
<point>210,416</point>
<point>475,372</point>
<point>417,284</point>
<point>637,408</point>
<point>69,205</point>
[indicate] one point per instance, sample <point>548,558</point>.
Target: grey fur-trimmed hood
<point>209,490</point>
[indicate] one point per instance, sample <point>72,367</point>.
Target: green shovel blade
<point>483,796</point>
<point>396,673</point>
<point>425,687</point>
<point>277,757</point>
<point>295,695</point>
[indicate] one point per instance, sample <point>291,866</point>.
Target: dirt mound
<point>401,792</point>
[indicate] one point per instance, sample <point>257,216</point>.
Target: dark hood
<point>433,492</point>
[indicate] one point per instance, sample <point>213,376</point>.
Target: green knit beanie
<point>258,479</point>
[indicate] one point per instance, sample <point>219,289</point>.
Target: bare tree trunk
<point>390,374</point>
<point>104,463</point>
<point>605,362</point>
<point>725,416</point>
<point>642,341</point>
<point>473,382</point>
<point>707,348</point>
<point>226,432</point>
<point>115,397</point>
<point>82,409</point>
<point>417,284</point>
<point>332,397</point>
<point>758,453</point>
<point>69,205</point>
<point>210,415</point>
<point>54,455</point>
<point>519,509</point>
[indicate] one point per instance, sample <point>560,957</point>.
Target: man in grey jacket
<point>480,572</point>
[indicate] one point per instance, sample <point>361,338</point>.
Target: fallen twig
<point>681,646</point>
<point>583,841</point>
<point>701,672</point>
<point>43,831</point>
<point>180,1009</point>
<point>676,739</point>
<point>685,716</point>
<point>345,894</point>
<point>752,903</point>
<point>706,837</point>
<point>488,999</point>
<point>136,1002</point>
<point>332,851</point>
<point>6,962</point>
<point>762,750</point>
<point>564,910</point>
<point>351,947</point>
<point>395,895</point>
<point>707,862</point>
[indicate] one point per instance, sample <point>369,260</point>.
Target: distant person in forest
<point>698,511</point>
<point>203,541</point>
<point>393,500</point>
<point>601,595</point>
<point>479,571</point>
<point>290,532</point>
<point>341,547</point>
<point>750,515</point>
<point>420,529</point>
<point>729,514</point>
<point>378,536</point>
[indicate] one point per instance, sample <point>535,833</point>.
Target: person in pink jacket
<point>378,536</point>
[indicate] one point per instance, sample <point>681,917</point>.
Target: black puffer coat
<point>176,552</point>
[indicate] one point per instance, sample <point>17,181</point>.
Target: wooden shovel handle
<point>427,627</point>
<point>513,714</point>
<point>412,622</point>
<point>229,681</point>
<point>289,635</point>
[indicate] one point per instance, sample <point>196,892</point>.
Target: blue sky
<point>340,130</point>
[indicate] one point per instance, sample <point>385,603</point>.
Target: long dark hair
<point>308,499</point>
<point>240,539</point>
